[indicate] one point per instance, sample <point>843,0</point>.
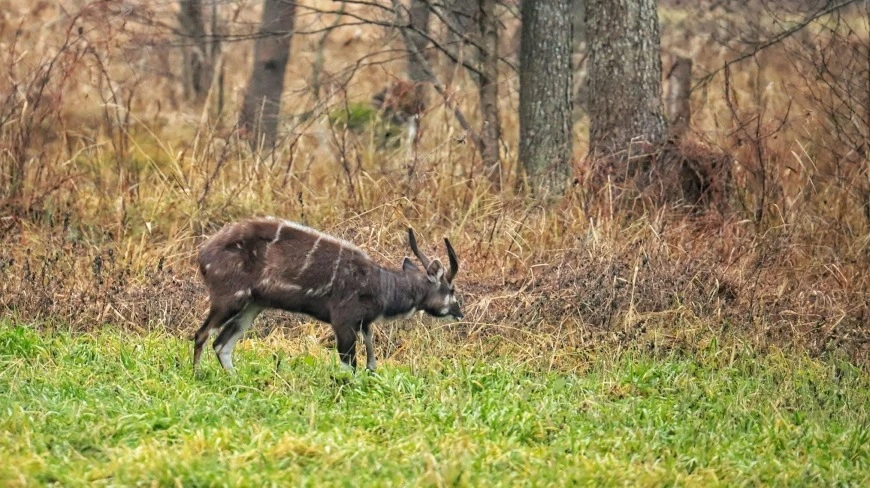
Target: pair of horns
<point>451,255</point>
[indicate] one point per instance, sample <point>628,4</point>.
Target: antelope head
<point>440,300</point>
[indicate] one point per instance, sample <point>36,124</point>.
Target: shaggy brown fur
<point>256,264</point>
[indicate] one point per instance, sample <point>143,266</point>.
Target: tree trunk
<point>462,26</point>
<point>490,132</point>
<point>198,54</point>
<point>679,90</point>
<point>624,70</point>
<point>262,102</point>
<point>545,94</point>
<point>578,56</point>
<point>418,17</point>
<point>320,56</point>
<point>578,23</point>
<point>462,14</point>
<point>418,14</point>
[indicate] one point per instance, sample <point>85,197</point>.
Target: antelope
<point>402,103</point>
<point>269,263</point>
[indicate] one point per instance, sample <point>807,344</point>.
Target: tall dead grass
<point>111,180</point>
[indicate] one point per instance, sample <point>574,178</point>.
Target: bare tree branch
<point>459,32</point>
<point>439,87</point>
<point>829,8</point>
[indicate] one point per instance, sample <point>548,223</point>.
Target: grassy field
<point>753,311</point>
<point>112,408</point>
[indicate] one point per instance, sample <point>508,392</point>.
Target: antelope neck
<point>402,291</point>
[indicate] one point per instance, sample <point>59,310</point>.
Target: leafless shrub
<point>834,71</point>
<point>30,93</point>
<point>686,173</point>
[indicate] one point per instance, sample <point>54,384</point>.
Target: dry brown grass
<point>110,181</point>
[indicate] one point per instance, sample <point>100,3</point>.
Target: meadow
<point>608,338</point>
<point>109,409</point>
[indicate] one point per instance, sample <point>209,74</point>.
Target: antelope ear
<point>435,271</point>
<point>408,265</point>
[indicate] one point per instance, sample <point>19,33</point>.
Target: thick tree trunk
<point>490,132</point>
<point>545,94</point>
<point>624,70</point>
<point>262,102</point>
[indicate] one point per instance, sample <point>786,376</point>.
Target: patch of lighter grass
<point>116,408</point>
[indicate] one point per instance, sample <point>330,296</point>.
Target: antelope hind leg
<point>232,332</point>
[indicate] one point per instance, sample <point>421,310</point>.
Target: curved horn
<point>413,242</point>
<point>454,263</point>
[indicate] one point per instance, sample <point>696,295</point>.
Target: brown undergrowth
<point>553,280</point>
<point>107,192</point>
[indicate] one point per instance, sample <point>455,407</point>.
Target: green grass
<point>118,409</point>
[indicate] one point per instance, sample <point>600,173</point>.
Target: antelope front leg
<point>371,362</point>
<point>345,338</point>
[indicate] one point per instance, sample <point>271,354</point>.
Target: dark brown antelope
<point>256,264</point>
